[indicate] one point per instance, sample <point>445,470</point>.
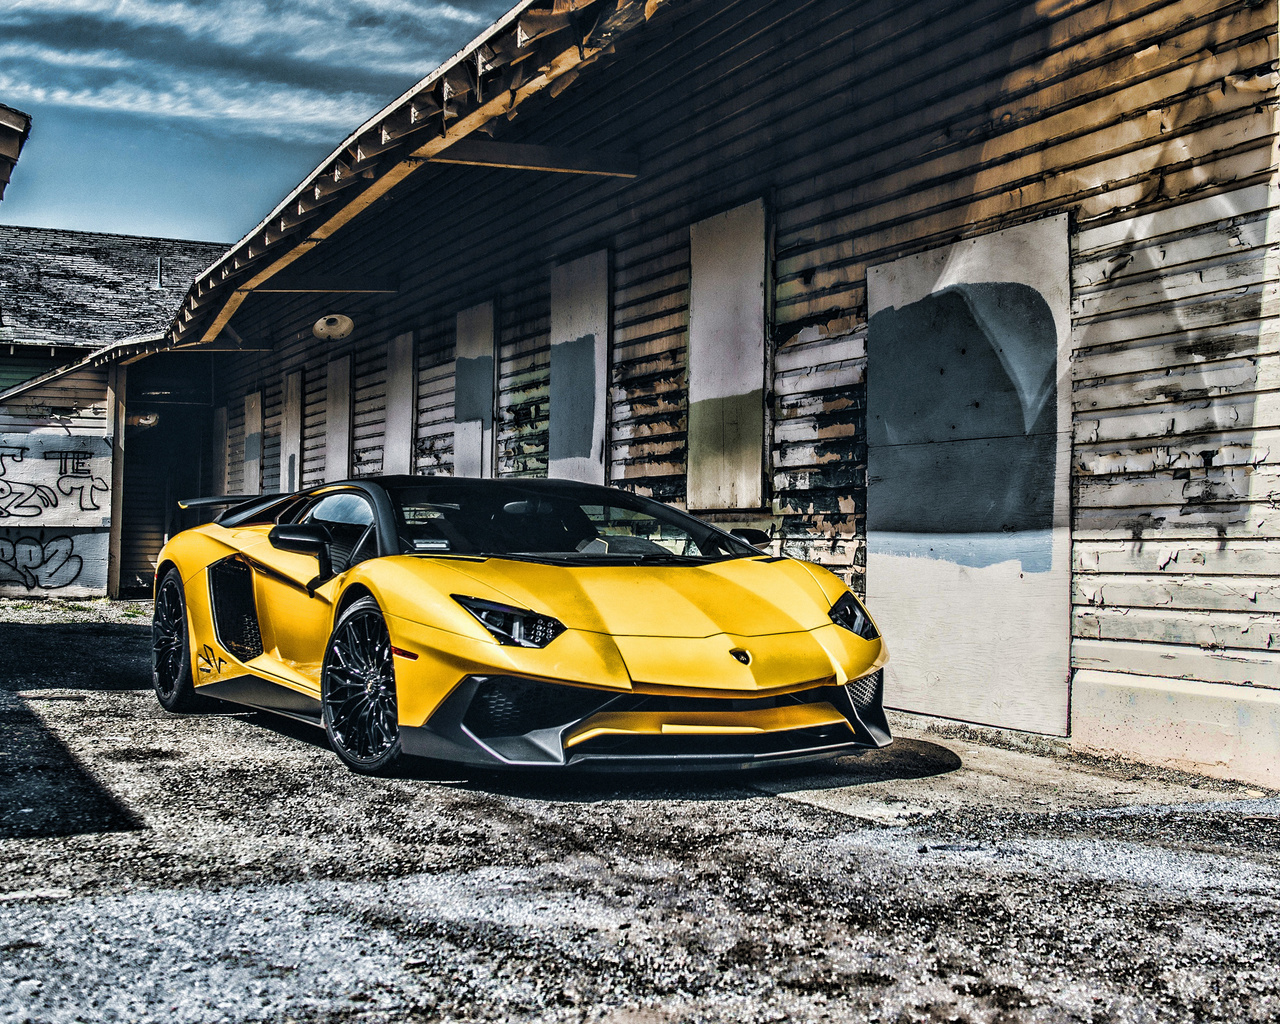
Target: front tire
<point>358,691</point>
<point>171,649</point>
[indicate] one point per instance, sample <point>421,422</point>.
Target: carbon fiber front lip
<point>445,737</point>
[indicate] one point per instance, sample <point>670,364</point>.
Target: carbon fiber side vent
<point>235,616</point>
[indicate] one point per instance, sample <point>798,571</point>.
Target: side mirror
<point>756,538</point>
<point>306,539</point>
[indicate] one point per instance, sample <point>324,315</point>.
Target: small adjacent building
<point>973,303</point>
<point>64,296</point>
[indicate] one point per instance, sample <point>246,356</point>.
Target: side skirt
<point>258,693</point>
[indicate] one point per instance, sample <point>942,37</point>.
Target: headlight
<point>848,612</point>
<point>515,627</point>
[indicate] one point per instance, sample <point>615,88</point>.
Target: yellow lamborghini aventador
<point>514,623</point>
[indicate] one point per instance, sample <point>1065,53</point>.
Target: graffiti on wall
<point>52,480</point>
<point>67,562</point>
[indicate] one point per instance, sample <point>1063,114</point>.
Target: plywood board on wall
<point>579,368</point>
<point>726,359</point>
<point>968,413</point>
<point>337,420</point>
<point>402,386</point>
<point>291,433</point>
<point>252,443</point>
<point>473,392</point>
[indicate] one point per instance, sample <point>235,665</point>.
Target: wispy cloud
<point>297,70</point>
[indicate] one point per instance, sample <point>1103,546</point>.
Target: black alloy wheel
<point>358,690</point>
<point>170,650</point>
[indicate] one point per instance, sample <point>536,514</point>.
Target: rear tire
<point>358,691</point>
<point>171,649</point>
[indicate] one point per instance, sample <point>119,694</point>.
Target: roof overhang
<point>99,357</point>
<point>539,45</point>
<point>15,126</point>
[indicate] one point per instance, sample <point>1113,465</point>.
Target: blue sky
<point>192,118</point>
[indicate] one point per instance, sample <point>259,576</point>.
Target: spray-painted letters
<point>49,480</point>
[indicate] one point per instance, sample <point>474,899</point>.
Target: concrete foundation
<point>1230,732</point>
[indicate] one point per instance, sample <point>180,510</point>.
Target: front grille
<point>235,618</point>
<point>865,691</point>
<point>673,703</point>
<point>509,706</point>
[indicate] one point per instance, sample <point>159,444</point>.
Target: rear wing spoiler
<point>231,503</point>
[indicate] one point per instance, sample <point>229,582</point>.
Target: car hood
<point>741,596</point>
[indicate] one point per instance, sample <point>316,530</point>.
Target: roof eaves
<point>219,290</point>
<point>92,360</point>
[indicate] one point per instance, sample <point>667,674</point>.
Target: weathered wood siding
<point>1177,543</point>
<point>433,439</point>
<point>524,377</point>
<point>649,402</point>
<point>75,403</point>
<point>368,405</point>
<point>874,130</point>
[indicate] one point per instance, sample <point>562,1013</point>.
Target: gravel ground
<point>227,868</point>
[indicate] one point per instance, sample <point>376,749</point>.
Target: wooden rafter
<point>523,54</point>
<point>556,159</point>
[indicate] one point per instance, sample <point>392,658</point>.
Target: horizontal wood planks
<point>1176,394</point>
<point>524,377</point>
<point>75,402</point>
<point>875,130</point>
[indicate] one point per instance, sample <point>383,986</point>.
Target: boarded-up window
<point>579,368</point>
<point>337,456</point>
<point>291,433</point>
<point>402,373</point>
<point>473,393</point>
<point>726,359</point>
<point>968,486</point>
<point>252,479</point>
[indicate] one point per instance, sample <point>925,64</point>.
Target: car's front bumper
<point>508,722</point>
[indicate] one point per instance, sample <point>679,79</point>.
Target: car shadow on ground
<point>904,759</point>
<point>44,789</point>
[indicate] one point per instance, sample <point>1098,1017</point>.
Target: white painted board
<point>473,392</point>
<point>579,368</point>
<point>337,424</point>
<point>968,406</point>
<point>291,433</point>
<point>252,479</point>
<point>402,376</point>
<point>726,359</point>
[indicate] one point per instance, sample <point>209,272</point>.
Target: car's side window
<point>349,519</point>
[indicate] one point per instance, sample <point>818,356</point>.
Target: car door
<point>294,611</point>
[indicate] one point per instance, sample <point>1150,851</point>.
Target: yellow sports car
<point>515,623</point>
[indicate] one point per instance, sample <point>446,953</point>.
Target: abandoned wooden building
<point>65,295</point>
<point>970,300</point>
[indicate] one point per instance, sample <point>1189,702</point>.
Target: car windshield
<point>567,522</point>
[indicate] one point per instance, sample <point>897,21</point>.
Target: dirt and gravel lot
<point>227,868</point>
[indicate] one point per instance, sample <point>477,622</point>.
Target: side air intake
<point>235,617</point>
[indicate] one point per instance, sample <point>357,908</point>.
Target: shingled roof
<point>88,289</point>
